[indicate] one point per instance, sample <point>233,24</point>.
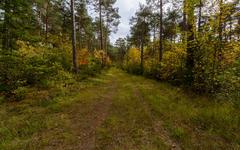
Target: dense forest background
<point>42,39</point>
<point>172,83</point>
<point>193,43</point>
<point>198,46</point>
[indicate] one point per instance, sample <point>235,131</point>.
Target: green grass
<point>44,118</point>
<point>23,123</point>
<point>195,122</point>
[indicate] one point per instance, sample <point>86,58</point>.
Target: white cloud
<point>127,9</point>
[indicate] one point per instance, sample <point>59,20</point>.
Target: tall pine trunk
<point>230,28</point>
<point>74,38</point>
<point>190,43</point>
<point>80,34</point>
<point>6,34</point>
<point>100,22</point>
<point>161,31</point>
<point>154,39</point>
<point>142,63</point>
<point>46,20</point>
<point>184,35</point>
<point>200,16</point>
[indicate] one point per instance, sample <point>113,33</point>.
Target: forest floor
<point>116,110</point>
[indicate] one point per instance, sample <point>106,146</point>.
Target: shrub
<point>213,73</point>
<point>230,83</point>
<point>20,93</point>
<point>102,57</point>
<point>27,66</point>
<point>171,68</point>
<point>152,68</point>
<point>39,63</point>
<point>132,61</point>
<point>11,74</point>
<point>172,64</point>
<point>92,63</point>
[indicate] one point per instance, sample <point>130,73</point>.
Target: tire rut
<point>85,118</point>
<point>92,119</point>
<point>157,124</point>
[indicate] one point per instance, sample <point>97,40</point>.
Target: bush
<point>11,74</point>
<point>230,83</point>
<point>20,93</point>
<point>132,61</point>
<point>40,64</point>
<point>27,66</point>
<point>213,73</point>
<point>172,66</point>
<point>152,68</point>
<point>37,72</point>
<point>91,64</point>
<point>102,57</point>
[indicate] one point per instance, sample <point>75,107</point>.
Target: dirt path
<point>92,119</point>
<point>119,109</point>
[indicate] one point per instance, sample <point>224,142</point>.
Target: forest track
<point>85,127</point>
<point>114,110</point>
<point>87,117</point>
<point>157,124</point>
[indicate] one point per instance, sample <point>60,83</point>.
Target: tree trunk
<point>184,22</point>
<point>106,42</point>
<point>79,30</point>
<point>46,28</point>
<point>190,55</point>
<point>39,23</point>
<point>220,31</point>
<point>105,49</point>
<point>190,44</point>
<point>200,16</point>
<point>142,47</point>
<point>161,32</point>
<point>6,35</point>
<point>46,21</point>
<point>100,21</point>
<point>74,38</point>
<point>230,32</point>
<point>154,39</point>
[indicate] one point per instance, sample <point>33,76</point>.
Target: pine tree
<point>18,22</point>
<point>190,42</point>
<point>75,69</point>
<point>140,31</point>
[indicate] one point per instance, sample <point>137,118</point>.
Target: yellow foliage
<point>83,56</point>
<point>172,61</point>
<point>150,64</point>
<point>102,56</point>
<point>133,56</point>
<point>27,50</point>
<point>231,53</point>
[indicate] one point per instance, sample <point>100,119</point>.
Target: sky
<point>127,9</point>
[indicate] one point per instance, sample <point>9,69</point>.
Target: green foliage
<point>230,83</point>
<point>28,66</point>
<point>170,69</point>
<point>209,76</point>
<point>178,133</point>
<point>20,93</point>
<point>39,63</point>
<point>200,51</point>
<point>18,23</point>
<point>94,66</point>
<point>42,66</point>
<point>11,74</point>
